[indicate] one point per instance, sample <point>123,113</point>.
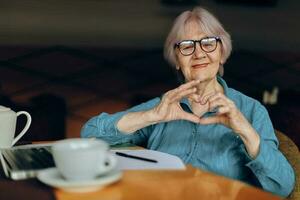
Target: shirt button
<point>258,171</point>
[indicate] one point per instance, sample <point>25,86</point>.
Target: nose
<point>199,53</point>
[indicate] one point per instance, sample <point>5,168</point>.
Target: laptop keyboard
<point>29,158</point>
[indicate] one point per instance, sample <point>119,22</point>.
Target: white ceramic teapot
<point>8,121</point>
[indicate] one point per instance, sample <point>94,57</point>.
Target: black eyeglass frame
<point>218,39</point>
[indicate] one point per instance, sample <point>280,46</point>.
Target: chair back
<point>292,154</point>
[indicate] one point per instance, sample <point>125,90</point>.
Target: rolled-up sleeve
<point>270,167</point>
<point>104,126</point>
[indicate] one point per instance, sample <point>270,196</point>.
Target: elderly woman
<point>203,121</point>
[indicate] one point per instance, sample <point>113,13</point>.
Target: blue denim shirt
<point>214,147</point>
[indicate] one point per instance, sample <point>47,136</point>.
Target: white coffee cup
<point>8,121</point>
<point>81,159</point>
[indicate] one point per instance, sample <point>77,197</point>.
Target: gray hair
<point>208,23</point>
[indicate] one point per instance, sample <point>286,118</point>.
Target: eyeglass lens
<point>187,47</point>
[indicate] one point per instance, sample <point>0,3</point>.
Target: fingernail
<point>203,101</point>
<point>199,98</point>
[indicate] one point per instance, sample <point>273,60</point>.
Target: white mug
<point>80,159</point>
<point>8,121</point>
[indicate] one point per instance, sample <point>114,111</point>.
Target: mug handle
<point>25,128</point>
<point>112,163</point>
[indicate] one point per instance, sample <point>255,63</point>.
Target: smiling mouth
<point>197,66</point>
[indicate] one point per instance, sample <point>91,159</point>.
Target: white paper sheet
<point>165,161</point>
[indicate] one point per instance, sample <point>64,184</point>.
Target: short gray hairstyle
<point>207,22</point>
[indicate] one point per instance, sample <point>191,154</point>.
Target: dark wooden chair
<point>291,152</point>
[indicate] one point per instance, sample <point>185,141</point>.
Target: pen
<point>135,157</point>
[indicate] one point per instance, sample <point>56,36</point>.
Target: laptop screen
<point>23,162</point>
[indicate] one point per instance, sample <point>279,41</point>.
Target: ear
<point>176,62</point>
<point>222,61</point>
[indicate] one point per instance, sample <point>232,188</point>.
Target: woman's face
<point>199,65</point>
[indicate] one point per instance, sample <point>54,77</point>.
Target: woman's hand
<point>169,108</point>
<point>229,115</point>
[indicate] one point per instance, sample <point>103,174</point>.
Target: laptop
<point>22,162</point>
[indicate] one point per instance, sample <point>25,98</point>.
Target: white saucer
<point>53,178</point>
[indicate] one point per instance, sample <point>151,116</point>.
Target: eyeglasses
<point>207,44</point>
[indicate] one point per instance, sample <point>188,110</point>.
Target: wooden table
<point>191,183</point>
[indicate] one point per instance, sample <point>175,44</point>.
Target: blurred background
<point>66,61</point>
